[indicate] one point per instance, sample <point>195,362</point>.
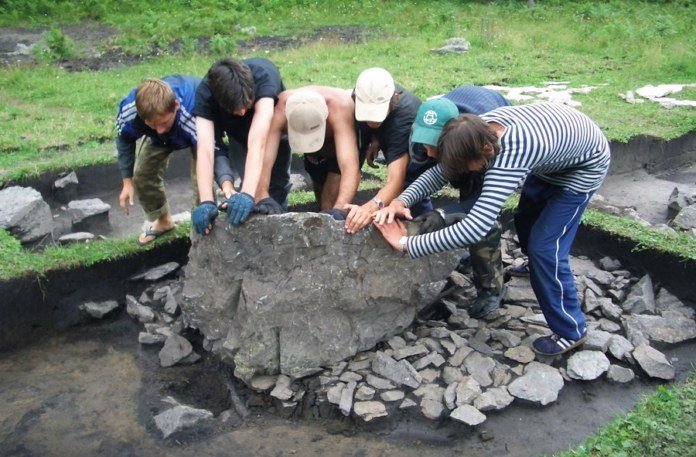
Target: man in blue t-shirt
<point>161,111</point>
<point>237,99</point>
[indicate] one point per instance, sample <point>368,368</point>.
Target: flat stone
<point>467,390</point>
<point>458,358</point>
<point>620,374</point>
<point>468,415</point>
<point>262,382</point>
<point>653,362</point>
<point>77,237</point>
<point>666,301</point>
<point>621,348</point>
<point>433,359</point>
<point>179,418</point>
<point>81,211</point>
<point>686,218</point>
<point>598,340</point>
<point>400,372</point>
<point>609,264</point>
<point>609,326</point>
<point>540,384</point>
<point>364,393</point>
<point>149,338</point>
<point>396,342</point>
<point>450,396</point>
<point>587,365</point>
<point>65,187</point>
<point>348,376</point>
<point>283,388</point>
<point>641,298</point>
<point>392,395</point>
<point>379,383</point>
<point>429,375</point>
<point>674,329</point>
<point>451,374</point>
<point>508,338</point>
<point>357,365</point>
<point>140,312</point>
<point>519,292</point>
<point>590,302</point>
<point>522,354</point>
<point>407,403</point>
<point>157,273</point>
<point>480,368</point>
<point>346,403</point>
<point>535,319</point>
<point>333,395</point>
<point>609,309</point>
<point>587,268</point>
<point>493,399</point>
<point>176,348</point>
<point>98,310</point>
<point>431,403</point>
<point>368,410</point>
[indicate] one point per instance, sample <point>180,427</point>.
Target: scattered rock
<point>77,237</point>
<point>400,372</point>
<point>25,214</point>
<point>346,403</point>
<point>620,374</point>
<point>493,399</point>
<point>467,390</point>
<point>99,309</point>
<point>65,187</point>
<point>157,273</point>
<point>368,410</point>
<point>283,390</point>
<point>140,312</point>
<point>176,348</point>
<point>262,383</point>
<point>598,340</point>
<point>454,45</point>
<point>87,212</point>
<point>653,362</point>
<point>522,354</point>
<point>540,384</point>
<point>365,393</point>
<point>180,417</point>
<point>672,329</point>
<point>587,365</point>
<point>392,395</point>
<point>686,219</point>
<point>641,299</point>
<point>468,415</point>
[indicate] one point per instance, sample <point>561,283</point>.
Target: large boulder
<point>292,293</point>
<point>25,214</point>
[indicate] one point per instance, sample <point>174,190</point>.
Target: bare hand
<point>395,209</point>
<point>125,199</point>
<point>358,217</point>
<point>392,232</point>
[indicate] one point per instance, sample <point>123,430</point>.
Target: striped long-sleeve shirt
<point>130,127</point>
<point>555,142</point>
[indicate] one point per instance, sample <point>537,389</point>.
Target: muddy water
<point>94,391</point>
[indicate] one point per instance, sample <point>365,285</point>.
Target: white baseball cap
<point>373,92</point>
<point>306,112</point>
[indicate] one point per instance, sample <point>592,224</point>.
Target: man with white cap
<point>319,123</point>
<point>386,111</point>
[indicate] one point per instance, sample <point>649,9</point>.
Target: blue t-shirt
<point>130,127</point>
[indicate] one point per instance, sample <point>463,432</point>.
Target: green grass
<point>661,425</point>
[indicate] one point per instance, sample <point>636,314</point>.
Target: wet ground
<point>94,390</point>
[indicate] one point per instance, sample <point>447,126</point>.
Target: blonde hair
<point>154,97</point>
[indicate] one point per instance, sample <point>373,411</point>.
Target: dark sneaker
<point>485,303</point>
<point>518,270</point>
<point>555,345</point>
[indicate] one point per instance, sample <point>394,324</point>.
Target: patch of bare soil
<point>95,52</point>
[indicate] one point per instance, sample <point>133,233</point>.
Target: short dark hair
<point>232,84</point>
<point>461,142</point>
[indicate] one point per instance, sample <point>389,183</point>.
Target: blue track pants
<point>546,221</point>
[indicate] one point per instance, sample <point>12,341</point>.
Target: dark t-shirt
<point>394,133</point>
<point>267,83</point>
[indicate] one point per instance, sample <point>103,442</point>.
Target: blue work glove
<point>268,206</point>
<point>204,215</point>
<point>239,207</point>
<point>430,221</point>
<point>336,213</point>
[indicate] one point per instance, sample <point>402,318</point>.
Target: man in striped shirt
<point>161,111</point>
<point>562,157</point>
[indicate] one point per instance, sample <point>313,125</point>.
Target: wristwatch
<point>378,202</point>
<point>402,243</point>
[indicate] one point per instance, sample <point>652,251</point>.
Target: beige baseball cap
<point>373,92</point>
<point>306,112</point>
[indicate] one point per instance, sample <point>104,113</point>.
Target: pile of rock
<point>462,368</point>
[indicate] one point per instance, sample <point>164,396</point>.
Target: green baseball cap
<point>431,119</point>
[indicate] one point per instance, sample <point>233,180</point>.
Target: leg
<point>535,192</point>
<point>148,182</point>
<point>280,175</point>
<point>550,240</point>
<point>487,263</point>
<point>329,192</point>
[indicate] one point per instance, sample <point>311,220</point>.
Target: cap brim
<point>307,142</point>
<point>425,135</point>
<point>370,112</point>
